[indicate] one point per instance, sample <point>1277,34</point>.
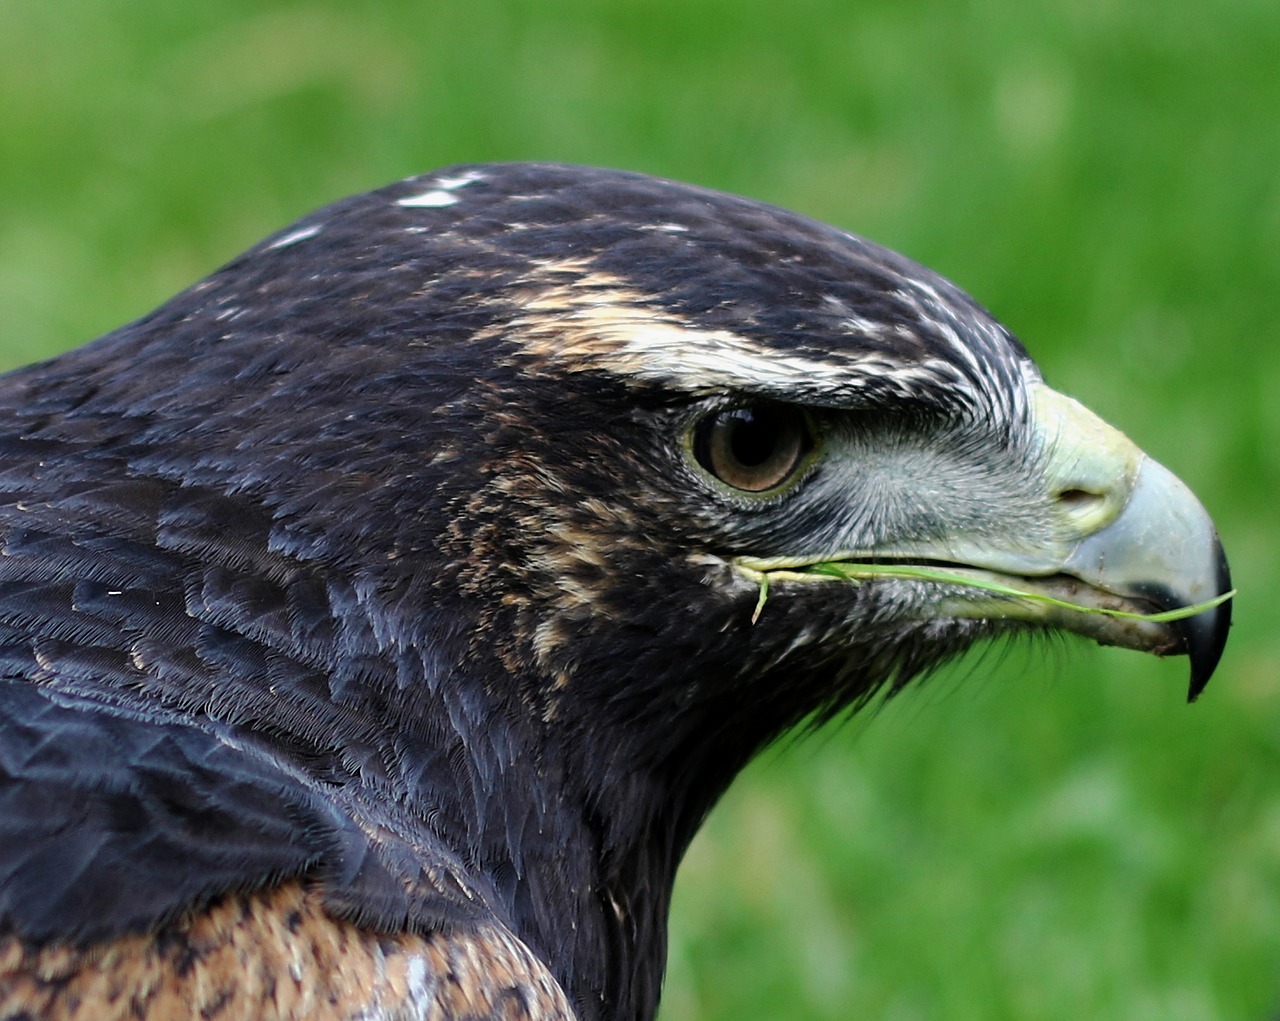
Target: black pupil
<point>754,437</point>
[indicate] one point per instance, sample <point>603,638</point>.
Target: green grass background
<point>1043,832</point>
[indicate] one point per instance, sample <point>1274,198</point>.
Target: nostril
<point>1081,503</point>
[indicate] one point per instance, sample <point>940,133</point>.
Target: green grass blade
<point>863,572</point>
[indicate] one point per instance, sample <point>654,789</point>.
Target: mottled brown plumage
<point>277,955</point>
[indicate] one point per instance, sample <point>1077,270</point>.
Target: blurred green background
<point>1046,831</point>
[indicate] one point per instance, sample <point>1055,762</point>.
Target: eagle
<point>381,616</point>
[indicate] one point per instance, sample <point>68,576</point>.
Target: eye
<point>753,448</point>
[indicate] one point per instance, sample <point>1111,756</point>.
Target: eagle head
<point>544,497</point>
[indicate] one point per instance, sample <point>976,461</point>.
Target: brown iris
<point>753,448</point>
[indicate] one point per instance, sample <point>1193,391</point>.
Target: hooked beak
<point>1164,550</point>
<point>1130,531</point>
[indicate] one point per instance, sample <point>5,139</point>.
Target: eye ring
<point>753,448</point>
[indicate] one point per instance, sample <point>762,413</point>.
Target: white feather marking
<point>301,234</point>
<point>432,199</point>
<point>860,326</point>
<point>596,323</point>
<point>715,358</point>
<point>418,979</point>
<point>442,192</point>
<point>461,181</point>
<point>628,341</point>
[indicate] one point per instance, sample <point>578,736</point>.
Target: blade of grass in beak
<point>864,572</point>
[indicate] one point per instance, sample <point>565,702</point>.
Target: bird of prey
<point>381,616</point>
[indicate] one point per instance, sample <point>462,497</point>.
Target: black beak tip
<point>1205,635</point>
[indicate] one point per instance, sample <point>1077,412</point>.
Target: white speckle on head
<point>293,237</point>
<point>873,329</point>
<point>930,307</point>
<point>665,228</point>
<point>461,181</point>
<point>434,198</point>
<point>441,194</point>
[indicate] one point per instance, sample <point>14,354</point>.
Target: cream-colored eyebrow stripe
<point>590,327</point>
<point>585,320</point>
